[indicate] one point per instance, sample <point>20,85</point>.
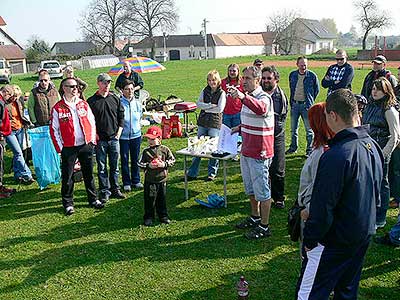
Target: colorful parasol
<point>139,64</point>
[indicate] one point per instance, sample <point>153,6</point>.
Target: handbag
<point>294,221</point>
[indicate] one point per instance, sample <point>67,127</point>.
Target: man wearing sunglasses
<point>339,75</point>
<point>42,99</point>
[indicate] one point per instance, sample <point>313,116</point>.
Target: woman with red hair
<point>322,133</point>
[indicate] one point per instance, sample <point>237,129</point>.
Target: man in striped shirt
<point>257,130</point>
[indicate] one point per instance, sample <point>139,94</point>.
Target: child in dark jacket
<point>155,160</point>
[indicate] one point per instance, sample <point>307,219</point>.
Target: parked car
<point>5,71</point>
<point>53,67</point>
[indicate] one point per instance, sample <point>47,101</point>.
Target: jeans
<point>15,141</point>
<point>84,153</point>
<point>212,163</point>
<point>130,148</point>
<point>385,196</point>
<point>107,183</point>
<point>277,168</point>
<point>231,120</point>
<point>299,110</point>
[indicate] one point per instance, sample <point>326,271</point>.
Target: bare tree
<point>149,17</point>
<point>286,33</point>
<point>371,17</point>
<point>102,22</point>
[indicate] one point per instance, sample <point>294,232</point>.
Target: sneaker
<point>210,178</point>
<point>97,204</point>
<point>290,151</point>
<point>117,194</point>
<point>249,222</point>
<point>380,225</point>
<point>148,222</point>
<point>280,204</point>
<point>69,210</point>
<point>138,186</point>
<point>25,181</point>
<point>258,233</point>
<point>104,197</point>
<point>6,190</point>
<point>127,188</point>
<point>165,220</point>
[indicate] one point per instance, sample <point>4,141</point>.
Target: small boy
<point>155,161</point>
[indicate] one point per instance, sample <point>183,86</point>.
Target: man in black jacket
<point>342,207</point>
<point>130,75</point>
<point>109,115</point>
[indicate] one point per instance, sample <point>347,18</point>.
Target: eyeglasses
<point>340,59</point>
<point>43,80</point>
<point>267,78</point>
<point>73,86</point>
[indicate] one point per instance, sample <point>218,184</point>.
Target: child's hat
<point>154,132</point>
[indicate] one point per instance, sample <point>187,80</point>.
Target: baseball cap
<point>258,61</point>
<point>103,77</point>
<point>380,59</point>
<point>153,132</point>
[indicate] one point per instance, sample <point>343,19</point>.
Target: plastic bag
<point>45,157</point>
<point>213,201</point>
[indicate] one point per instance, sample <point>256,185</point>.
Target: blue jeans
<point>212,163</point>
<point>299,110</point>
<point>15,141</point>
<point>385,196</point>
<point>107,183</point>
<point>231,120</point>
<point>130,148</point>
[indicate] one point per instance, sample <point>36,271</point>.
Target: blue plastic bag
<point>213,201</point>
<point>45,157</point>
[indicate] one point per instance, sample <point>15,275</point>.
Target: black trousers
<point>69,155</point>
<point>277,168</point>
<point>155,197</point>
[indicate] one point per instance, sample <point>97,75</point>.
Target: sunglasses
<point>43,80</point>
<point>339,59</point>
<point>267,78</point>
<point>73,86</point>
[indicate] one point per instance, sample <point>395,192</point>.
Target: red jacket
<point>232,106</point>
<point>5,125</point>
<point>62,124</point>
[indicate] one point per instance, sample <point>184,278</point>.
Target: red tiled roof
<point>11,52</point>
<point>2,22</point>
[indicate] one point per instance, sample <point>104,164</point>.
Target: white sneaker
<point>69,210</point>
<point>127,188</point>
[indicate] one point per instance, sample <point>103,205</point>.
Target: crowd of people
<point>352,149</point>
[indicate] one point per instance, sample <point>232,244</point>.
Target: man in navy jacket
<point>342,207</point>
<point>339,75</point>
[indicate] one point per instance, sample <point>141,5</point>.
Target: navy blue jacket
<point>346,191</point>
<point>346,81</point>
<point>311,86</point>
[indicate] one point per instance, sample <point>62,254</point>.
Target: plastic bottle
<point>242,289</point>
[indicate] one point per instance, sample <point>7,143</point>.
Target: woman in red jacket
<point>233,106</point>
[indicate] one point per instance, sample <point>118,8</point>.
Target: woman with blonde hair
<point>384,128</point>
<point>231,115</point>
<point>211,101</point>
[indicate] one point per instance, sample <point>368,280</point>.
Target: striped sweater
<point>257,126</point>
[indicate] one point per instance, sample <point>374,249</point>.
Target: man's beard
<point>267,87</point>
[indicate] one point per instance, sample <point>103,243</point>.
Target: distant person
<point>211,102</point>
<point>304,89</point>
<point>155,160</point>
<point>397,88</point>
<point>378,70</point>
<point>257,130</point>
<point>41,100</point>
<point>131,138</point>
<point>341,219</point>
<point>270,84</point>
<point>109,116</point>
<point>339,75</point>
<point>130,74</point>
<point>258,63</point>
<point>383,119</point>
<point>82,85</point>
<point>6,92</point>
<point>231,115</point>
<point>73,132</point>
<point>16,140</point>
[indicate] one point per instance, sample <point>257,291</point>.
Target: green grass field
<point>108,254</point>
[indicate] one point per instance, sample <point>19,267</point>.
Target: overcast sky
<point>57,20</point>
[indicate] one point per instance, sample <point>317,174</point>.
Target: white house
<point>192,46</point>
<point>11,51</point>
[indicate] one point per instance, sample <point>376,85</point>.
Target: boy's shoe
<point>97,204</point>
<point>258,233</point>
<point>117,194</point>
<point>6,190</point>
<point>249,222</point>
<point>280,204</point>
<point>127,188</point>
<point>148,222</point>
<point>69,210</point>
<point>137,186</point>
<point>165,220</point>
